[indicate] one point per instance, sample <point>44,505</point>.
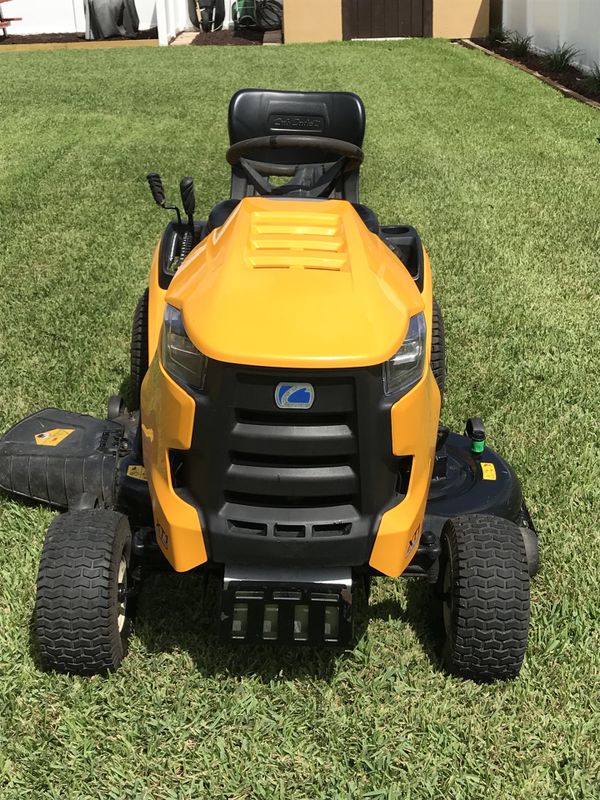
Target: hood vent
<point>280,240</point>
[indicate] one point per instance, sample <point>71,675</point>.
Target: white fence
<point>172,17</point>
<point>554,22</point>
<point>64,16</point>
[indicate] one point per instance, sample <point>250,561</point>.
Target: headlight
<point>179,356</point>
<point>405,369</point>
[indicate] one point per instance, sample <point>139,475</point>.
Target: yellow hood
<point>295,283</point>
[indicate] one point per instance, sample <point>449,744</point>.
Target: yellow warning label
<point>53,437</point>
<point>488,470</point>
<point>137,471</point>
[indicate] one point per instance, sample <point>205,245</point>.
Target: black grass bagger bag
<point>108,18</point>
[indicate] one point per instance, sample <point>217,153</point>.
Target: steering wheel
<point>246,147</point>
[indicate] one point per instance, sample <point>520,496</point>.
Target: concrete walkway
<point>82,45</point>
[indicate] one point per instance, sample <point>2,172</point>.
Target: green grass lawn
<point>500,175</point>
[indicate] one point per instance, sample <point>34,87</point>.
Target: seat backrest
<point>260,112</point>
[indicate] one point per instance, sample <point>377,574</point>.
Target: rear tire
<point>139,349</point>
<point>438,348</point>
<point>82,621</point>
<point>484,583</point>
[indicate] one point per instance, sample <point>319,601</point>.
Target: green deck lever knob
<point>475,430</point>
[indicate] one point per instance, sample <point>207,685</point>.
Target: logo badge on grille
<point>294,395</point>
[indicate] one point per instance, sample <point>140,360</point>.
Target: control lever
<point>158,193</point>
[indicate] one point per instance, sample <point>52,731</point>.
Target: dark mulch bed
<point>60,38</point>
<point>572,78</point>
<point>229,37</point>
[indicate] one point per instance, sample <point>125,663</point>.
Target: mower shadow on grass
<point>176,612</point>
<point>419,615</point>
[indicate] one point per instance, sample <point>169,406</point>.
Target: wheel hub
<point>122,593</point>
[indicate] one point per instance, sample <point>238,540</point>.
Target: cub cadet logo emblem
<point>294,395</point>
<point>53,437</point>
<point>296,122</point>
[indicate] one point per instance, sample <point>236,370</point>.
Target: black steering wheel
<point>247,147</point>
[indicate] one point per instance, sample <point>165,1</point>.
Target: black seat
<point>259,113</point>
<point>262,112</point>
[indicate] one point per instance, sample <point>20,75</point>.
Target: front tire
<point>82,621</point>
<point>484,583</point>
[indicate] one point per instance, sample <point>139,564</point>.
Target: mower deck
<point>71,461</point>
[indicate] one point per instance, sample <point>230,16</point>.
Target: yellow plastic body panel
<point>167,421</point>
<point>415,419</point>
<point>289,283</point>
<point>414,432</point>
<point>295,283</point>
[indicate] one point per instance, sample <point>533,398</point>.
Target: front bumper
<point>287,606</point>
<point>263,485</point>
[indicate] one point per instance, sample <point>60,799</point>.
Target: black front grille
<point>284,479</point>
<point>292,461</point>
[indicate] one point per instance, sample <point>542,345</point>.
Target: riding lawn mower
<point>283,434</point>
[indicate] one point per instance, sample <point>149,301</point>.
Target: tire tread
<point>139,349</point>
<point>491,614</point>
<point>74,614</point>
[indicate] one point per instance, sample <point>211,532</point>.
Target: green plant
<point>561,58</point>
<point>592,81</point>
<point>517,45</point>
<point>498,36</point>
